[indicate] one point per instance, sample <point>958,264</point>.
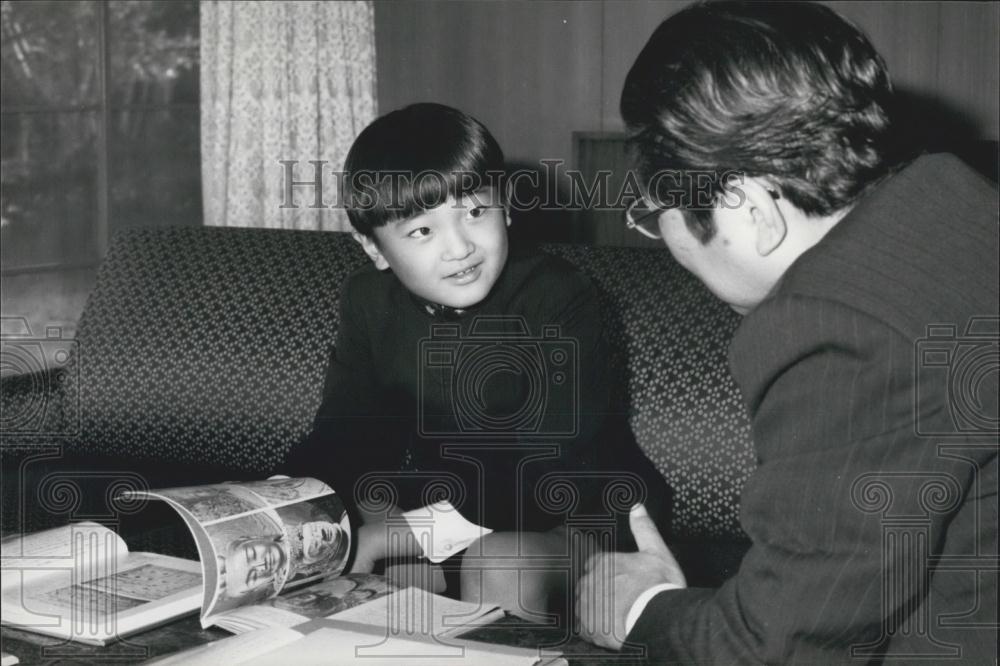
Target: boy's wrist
<point>378,517</point>
<point>440,531</point>
<point>374,541</point>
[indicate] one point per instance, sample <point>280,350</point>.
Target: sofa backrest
<point>686,412</point>
<point>208,345</point>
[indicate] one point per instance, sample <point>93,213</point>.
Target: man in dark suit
<point>868,356</point>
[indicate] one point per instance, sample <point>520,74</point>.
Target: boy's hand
<point>374,540</point>
<point>371,547</point>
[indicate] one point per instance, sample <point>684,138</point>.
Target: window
<point>100,126</point>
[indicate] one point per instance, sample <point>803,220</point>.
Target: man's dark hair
<point>411,160</point>
<point>790,91</point>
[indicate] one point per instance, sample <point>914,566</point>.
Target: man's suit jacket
<point>873,512</point>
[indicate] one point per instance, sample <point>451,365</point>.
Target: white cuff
<point>639,604</point>
<point>442,531</point>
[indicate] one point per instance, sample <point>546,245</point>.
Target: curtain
<point>281,81</point>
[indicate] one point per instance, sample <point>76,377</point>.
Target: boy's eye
<point>478,211</point>
<point>420,232</point>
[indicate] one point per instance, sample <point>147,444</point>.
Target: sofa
<point>200,357</point>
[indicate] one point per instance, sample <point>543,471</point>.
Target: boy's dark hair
<point>790,91</point>
<point>412,159</point>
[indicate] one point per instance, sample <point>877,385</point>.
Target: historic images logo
<point>535,377</point>
<point>40,387</point>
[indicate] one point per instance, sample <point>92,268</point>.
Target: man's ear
<point>769,223</point>
<point>371,249</point>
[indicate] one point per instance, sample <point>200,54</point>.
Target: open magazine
<point>271,556</point>
<point>409,626</point>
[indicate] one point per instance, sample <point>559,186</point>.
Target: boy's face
<point>450,255</point>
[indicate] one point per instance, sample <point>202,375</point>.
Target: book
<point>80,582</point>
<point>271,555</point>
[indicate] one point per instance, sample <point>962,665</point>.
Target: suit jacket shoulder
<point>921,249</point>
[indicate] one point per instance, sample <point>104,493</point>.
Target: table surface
<point>34,649</point>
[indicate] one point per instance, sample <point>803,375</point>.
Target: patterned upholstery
<point>686,411</point>
<point>207,346</point>
<point>201,344</point>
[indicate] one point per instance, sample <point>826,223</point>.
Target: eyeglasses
<point>644,217</point>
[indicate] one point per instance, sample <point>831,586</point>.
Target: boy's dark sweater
<point>383,371</point>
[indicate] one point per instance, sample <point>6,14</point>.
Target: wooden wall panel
<point>627,27</point>
<point>530,71</point>
<point>603,225</point>
<point>968,74</point>
<point>947,53</point>
<point>535,72</point>
<point>905,33</point>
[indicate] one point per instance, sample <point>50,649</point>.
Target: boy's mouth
<point>465,275</point>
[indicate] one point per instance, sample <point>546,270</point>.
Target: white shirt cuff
<point>639,604</point>
<point>442,531</point>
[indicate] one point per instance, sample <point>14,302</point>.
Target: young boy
<point>467,368</point>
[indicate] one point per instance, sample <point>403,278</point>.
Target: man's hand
<point>613,581</point>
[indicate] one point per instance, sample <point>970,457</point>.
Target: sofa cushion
<point>685,409</point>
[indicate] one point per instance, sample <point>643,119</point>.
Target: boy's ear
<point>371,249</point>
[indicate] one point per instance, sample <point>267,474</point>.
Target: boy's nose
<point>457,246</point>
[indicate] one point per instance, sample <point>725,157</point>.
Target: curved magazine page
<point>256,538</point>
